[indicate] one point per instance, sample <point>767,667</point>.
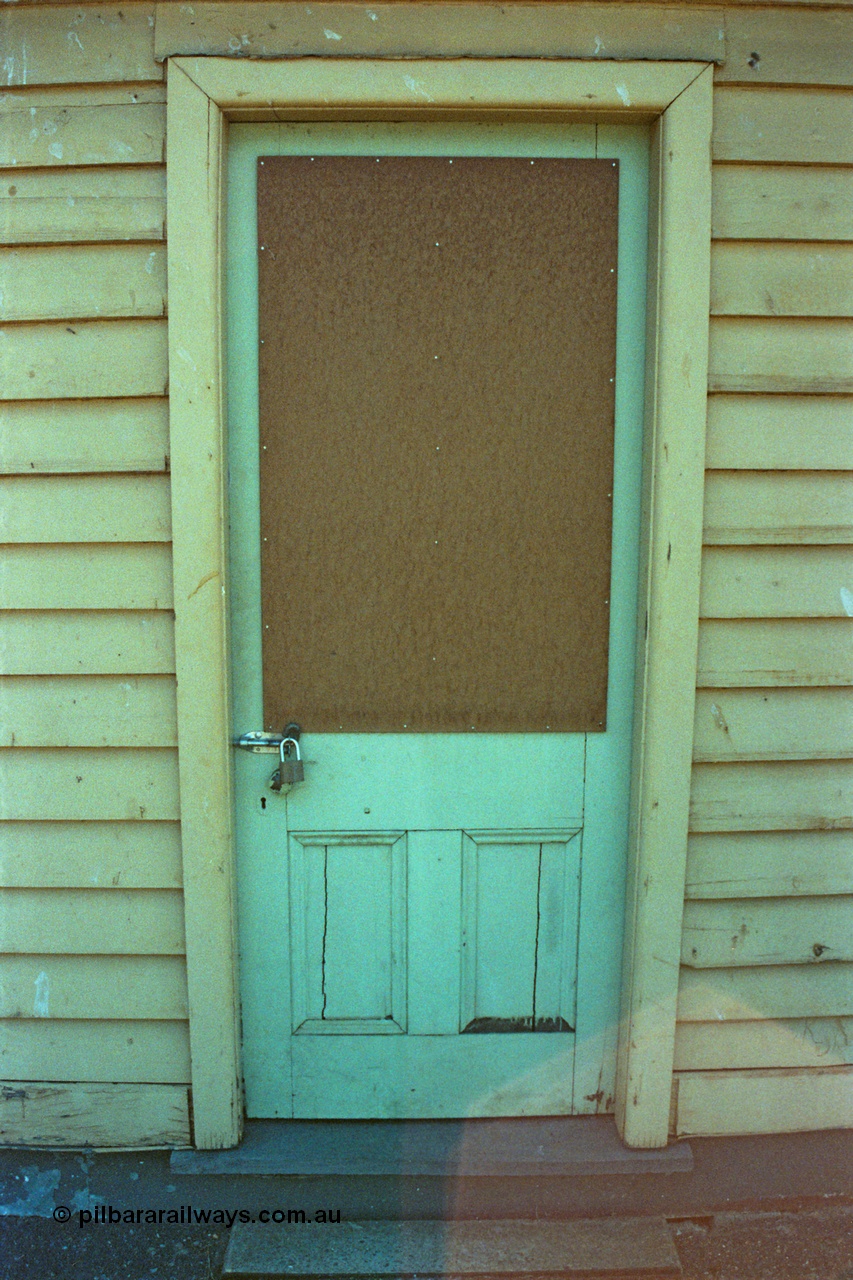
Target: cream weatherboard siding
<point>763,1040</point>
<point>94,1033</point>
<point>92,980</point>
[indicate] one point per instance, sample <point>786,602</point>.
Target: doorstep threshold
<point>525,1147</point>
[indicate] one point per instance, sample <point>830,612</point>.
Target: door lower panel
<point>336,1077</point>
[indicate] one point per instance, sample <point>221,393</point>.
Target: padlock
<point>290,767</point>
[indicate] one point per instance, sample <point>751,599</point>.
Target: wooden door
<point>412,917</point>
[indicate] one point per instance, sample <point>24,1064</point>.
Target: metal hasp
<point>258,741</point>
<point>286,745</point>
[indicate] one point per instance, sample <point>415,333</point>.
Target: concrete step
<point>529,1147</point>
<point>596,1249</point>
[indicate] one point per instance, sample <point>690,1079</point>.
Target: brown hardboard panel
<point>436,441</point>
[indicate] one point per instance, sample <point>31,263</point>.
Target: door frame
<point>204,94</point>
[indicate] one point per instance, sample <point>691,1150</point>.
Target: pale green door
<point>430,925</point>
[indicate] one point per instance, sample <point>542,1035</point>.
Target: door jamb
<point>204,94</point>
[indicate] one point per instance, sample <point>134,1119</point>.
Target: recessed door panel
<point>519,931</point>
<point>348,932</point>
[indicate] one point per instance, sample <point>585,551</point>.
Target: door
<point>430,924</point>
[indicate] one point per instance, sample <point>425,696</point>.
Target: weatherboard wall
<point>94,1007</point>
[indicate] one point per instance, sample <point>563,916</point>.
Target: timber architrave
<point>203,95</point>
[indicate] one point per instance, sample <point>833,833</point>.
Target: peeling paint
<point>36,1196</point>
<point>719,718</point>
<point>331,35</point>
<point>15,71</point>
<point>622,91</point>
<point>41,1004</point>
<point>417,86</point>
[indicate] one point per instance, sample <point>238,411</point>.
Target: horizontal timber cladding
<point>781,45</point>
<point>137,987</point>
<point>93,1115</point>
<point>93,921</point>
<point>57,206</point>
<point>763,507</point>
<point>765,990</point>
<point>780,432</point>
<point>87,576</point>
<point>753,353</point>
<point>799,795</point>
<point>89,784</point>
<point>94,981</point>
<point>121,126</point>
<point>810,49</point>
<point>760,278</point>
<point>155,1052</point>
<point>87,642</point>
<point>777,864</point>
<point>72,282</point>
<point>92,508</point>
<point>775,582</point>
<point>783,126</point>
<point>90,855</point>
<point>781,1042</point>
<point>349,30</point>
<point>771,991</point>
<point>780,202</point>
<point>88,711</point>
<point>111,508</point>
<point>92,42</point>
<point>39,437</point>
<point>84,358</point>
<point>761,931</point>
<point>770,652</point>
<point>773,724</point>
<point>786,1100</point>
